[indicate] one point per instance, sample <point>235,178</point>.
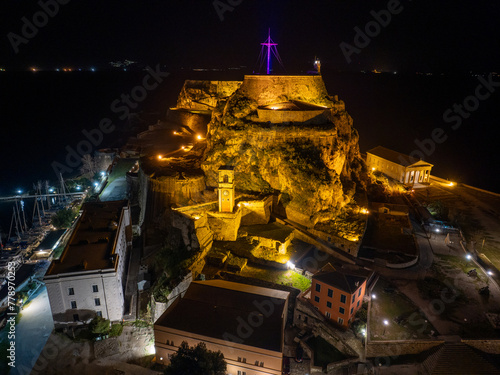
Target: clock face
<point>225,192</point>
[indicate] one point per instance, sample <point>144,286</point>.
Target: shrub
<point>116,330</point>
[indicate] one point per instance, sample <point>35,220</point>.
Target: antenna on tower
<point>269,47</point>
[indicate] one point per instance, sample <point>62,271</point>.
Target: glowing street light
<point>19,191</point>
<point>374,296</point>
<point>468,256</point>
<point>490,273</point>
<point>386,323</point>
<point>160,157</point>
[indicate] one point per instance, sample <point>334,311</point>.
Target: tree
<point>88,166</point>
<point>196,360</point>
<point>63,218</point>
<point>99,326</point>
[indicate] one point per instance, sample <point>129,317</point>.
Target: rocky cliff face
<point>316,167</point>
<point>204,95</point>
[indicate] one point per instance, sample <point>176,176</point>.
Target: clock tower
<point>226,188</point>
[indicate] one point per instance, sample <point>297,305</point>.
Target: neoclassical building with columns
<point>403,168</point>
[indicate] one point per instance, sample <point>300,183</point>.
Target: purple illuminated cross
<point>268,43</point>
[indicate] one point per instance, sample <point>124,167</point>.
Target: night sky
<point>426,35</point>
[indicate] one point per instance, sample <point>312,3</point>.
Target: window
<point>239,359</point>
<point>359,292</point>
<point>341,321</point>
<point>341,310</point>
<point>330,293</point>
<point>327,314</point>
<point>329,304</point>
<point>244,360</point>
<point>97,301</point>
<point>95,289</point>
<point>343,298</point>
<point>73,304</point>
<point>316,299</point>
<point>357,304</point>
<point>262,364</point>
<point>256,363</point>
<point>76,318</point>
<point>318,287</point>
<point>352,309</point>
<point>168,342</point>
<point>71,291</point>
<point>99,313</point>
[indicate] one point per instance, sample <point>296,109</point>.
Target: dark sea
<point>43,114</point>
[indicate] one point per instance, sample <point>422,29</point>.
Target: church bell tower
<point>226,188</point>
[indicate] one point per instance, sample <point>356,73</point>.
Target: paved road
<point>32,332</point>
<point>115,191</point>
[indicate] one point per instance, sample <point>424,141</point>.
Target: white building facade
<point>89,278</point>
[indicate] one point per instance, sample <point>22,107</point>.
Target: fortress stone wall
<point>275,89</point>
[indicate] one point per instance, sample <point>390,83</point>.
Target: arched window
<point>225,179</point>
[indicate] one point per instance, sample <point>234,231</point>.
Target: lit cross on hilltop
<point>266,55</point>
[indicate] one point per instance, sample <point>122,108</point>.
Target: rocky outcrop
<point>316,167</point>
<point>204,95</point>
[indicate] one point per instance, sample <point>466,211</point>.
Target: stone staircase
<point>459,358</point>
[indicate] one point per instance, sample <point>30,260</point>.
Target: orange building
<point>337,295</point>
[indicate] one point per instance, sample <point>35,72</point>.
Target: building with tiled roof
<point>403,168</point>
<point>337,295</point>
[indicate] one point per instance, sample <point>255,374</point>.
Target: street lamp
<point>386,323</point>
<point>374,296</point>
<point>490,273</point>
